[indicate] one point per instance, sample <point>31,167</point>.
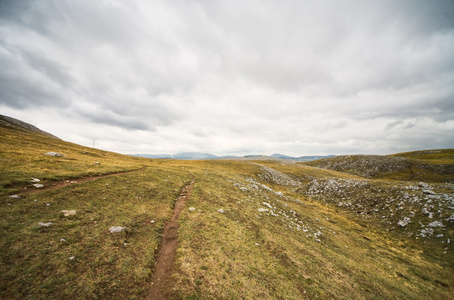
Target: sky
<point>232,77</point>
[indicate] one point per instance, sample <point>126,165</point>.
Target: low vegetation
<point>255,230</point>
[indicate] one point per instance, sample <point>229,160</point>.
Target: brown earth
<point>167,249</point>
<point>61,184</point>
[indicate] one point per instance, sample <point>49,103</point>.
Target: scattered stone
<point>53,154</point>
<point>68,213</point>
<point>192,208</point>
<point>116,229</point>
<point>262,209</point>
<point>257,244</point>
<point>45,224</point>
<point>429,192</point>
<point>152,221</point>
<point>38,185</point>
<point>15,196</point>
<point>267,204</point>
<point>435,224</point>
<point>439,235</point>
<point>404,222</point>
<point>423,184</point>
<point>71,257</point>
<point>97,162</point>
<point>220,211</point>
<point>35,180</point>
<point>62,240</point>
<point>451,218</point>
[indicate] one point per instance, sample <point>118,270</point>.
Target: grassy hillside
<point>284,231</point>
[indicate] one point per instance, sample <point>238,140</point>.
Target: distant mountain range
<point>199,155</point>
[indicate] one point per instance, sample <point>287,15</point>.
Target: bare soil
<point>61,184</point>
<point>167,249</point>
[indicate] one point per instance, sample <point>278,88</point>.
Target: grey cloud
<point>300,74</point>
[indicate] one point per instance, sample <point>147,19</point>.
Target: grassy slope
<point>304,249</point>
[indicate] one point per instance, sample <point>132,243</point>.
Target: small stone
<point>67,213</point>
<point>71,257</point>
<point>404,222</point>
<point>192,208</point>
<point>62,240</point>
<point>116,229</point>
<point>97,162</point>
<point>257,244</point>
<point>262,209</point>
<point>435,224</point>
<point>45,224</point>
<point>152,221</point>
<point>48,204</point>
<point>267,204</point>
<point>35,180</point>
<point>220,211</point>
<point>15,196</point>
<point>38,185</point>
<point>53,154</point>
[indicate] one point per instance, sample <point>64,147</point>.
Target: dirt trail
<point>167,249</point>
<point>60,184</point>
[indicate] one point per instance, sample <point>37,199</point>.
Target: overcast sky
<point>232,77</point>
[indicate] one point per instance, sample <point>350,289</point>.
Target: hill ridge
<point>8,121</point>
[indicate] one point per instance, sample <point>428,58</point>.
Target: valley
<point>357,227</point>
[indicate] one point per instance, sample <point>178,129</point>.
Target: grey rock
<point>435,224</point>
<point>45,224</point>
<point>68,213</point>
<point>221,211</point>
<point>404,222</point>
<point>53,154</point>
<point>116,229</point>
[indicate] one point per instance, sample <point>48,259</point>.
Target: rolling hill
<point>338,228</point>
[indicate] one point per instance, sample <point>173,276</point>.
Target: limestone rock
<point>53,154</point>
<point>404,222</point>
<point>38,185</point>
<point>221,210</point>
<point>435,224</point>
<point>45,224</point>
<point>67,213</point>
<point>192,208</point>
<point>116,229</point>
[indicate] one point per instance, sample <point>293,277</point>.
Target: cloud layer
<point>236,77</point>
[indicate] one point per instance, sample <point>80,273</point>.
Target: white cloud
<point>298,78</point>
